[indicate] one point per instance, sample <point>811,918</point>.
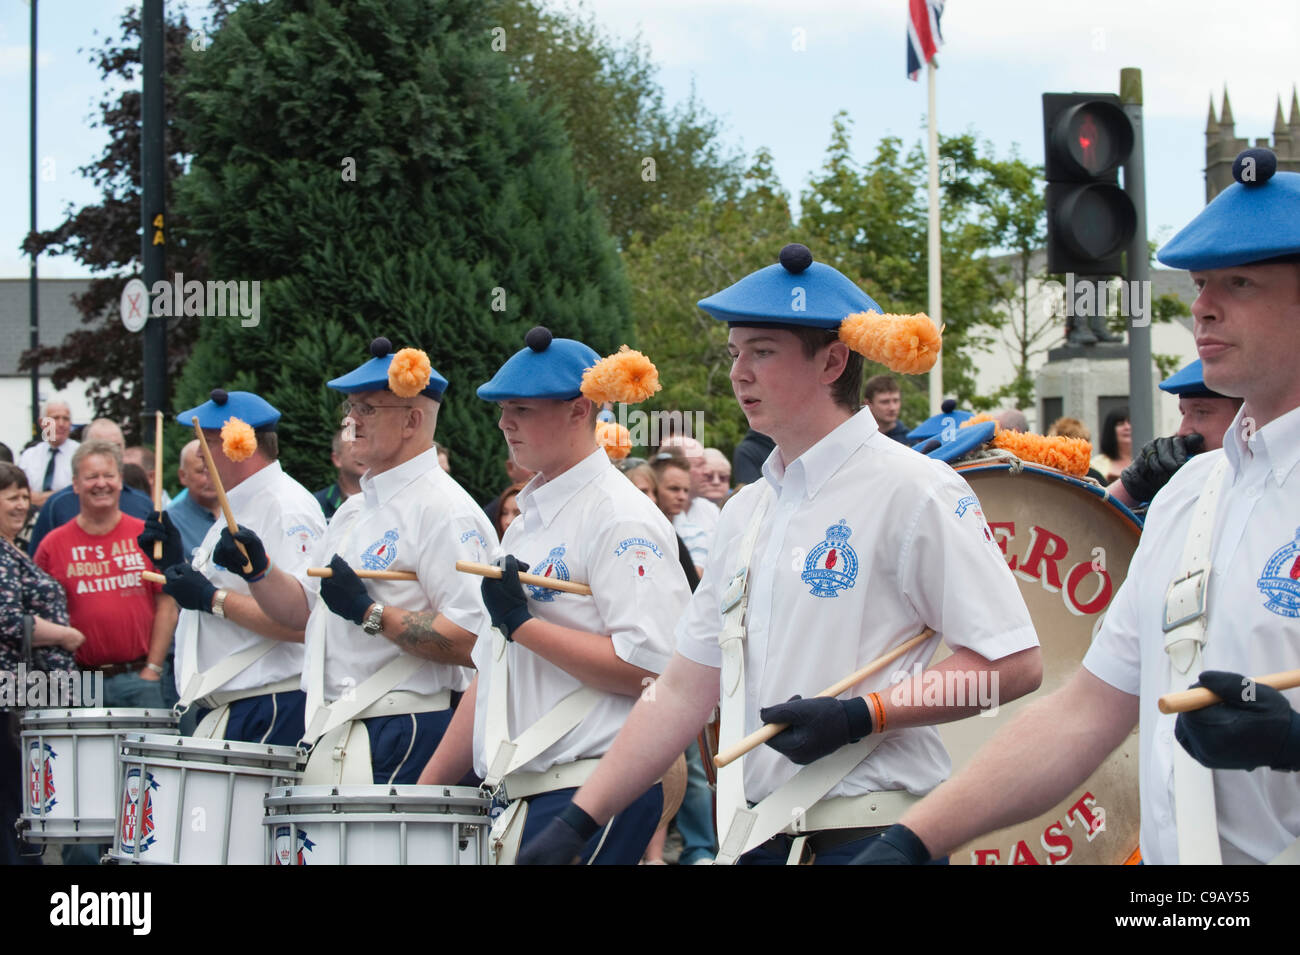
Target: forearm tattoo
<point>419,637</point>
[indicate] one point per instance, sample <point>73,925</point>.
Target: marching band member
<point>1210,593</point>
<point>850,544</point>
<point>560,672</point>
<point>386,659</point>
<point>231,658</point>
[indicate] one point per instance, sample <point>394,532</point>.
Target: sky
<point>776,72</point>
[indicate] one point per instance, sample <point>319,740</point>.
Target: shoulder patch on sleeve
<point>640,556</point>
<point>302,536</point>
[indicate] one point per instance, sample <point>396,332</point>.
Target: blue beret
<point>796,291</point>
<point>1255,219</point>
<point>222,405</point>
<point>373,374</point>
<point>1189,382</point>
<point>965,441</point>
<point>546,367</point>
<point>934,426</point>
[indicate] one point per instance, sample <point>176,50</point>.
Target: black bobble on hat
<point>1254,167</point>
<point>538,338</point>
<point>948,406</point>
<point>219,395</point>
<point>380,347</point>
<point>795,258</point>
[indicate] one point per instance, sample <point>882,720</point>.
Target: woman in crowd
<point>506,508</point>
<point>1116,446</point>
<point>25,591</point>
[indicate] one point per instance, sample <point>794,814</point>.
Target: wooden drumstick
<point>1186,700</point>
<point>153,578</point>
<point>369,574</point>
<point>221,491</point>
<point>761,736</point>
<point>554,583</point>
<point>157,475</point>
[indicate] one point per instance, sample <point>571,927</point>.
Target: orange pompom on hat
<point>905,344</point>
<point>614,438</point>
<point>1070,455</point>
<point>626,376</point>
<point>238,441</point>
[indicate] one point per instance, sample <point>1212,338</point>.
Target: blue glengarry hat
<point>547,367</point>
<point>795,291</point>
<point>1189,382</point>
<point>373,374</point>
<point>948,417</point>
<point>222,405</point>
<point>1254,220</point>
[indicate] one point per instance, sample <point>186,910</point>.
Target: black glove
<point>1253,726</point>
<point>189,588</point>
<point>504,598</point>
<point>1156,463</point>
<point>897,845</point>
<point>818,726</point>
<point>344,593</point>
<point>227,554</point>
<point>158,526</point>
<point>561,842</point>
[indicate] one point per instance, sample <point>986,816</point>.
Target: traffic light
<point>1090,219</point>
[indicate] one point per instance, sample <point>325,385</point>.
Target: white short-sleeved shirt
<point>411,517</point>
<point>1253,628</point>
<point>36,459</point>
<point>696,527</point>
<point>865,544</point>
<point>589,524</point>
<point>287,518</point>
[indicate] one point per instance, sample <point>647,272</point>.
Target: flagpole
<point>936,287</point>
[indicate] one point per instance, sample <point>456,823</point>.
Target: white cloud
<point>16,59</point>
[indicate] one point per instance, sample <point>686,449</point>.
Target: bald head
<point>105,429</point>
<point>193,475</point>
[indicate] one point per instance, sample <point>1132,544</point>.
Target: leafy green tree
<point>708,247</point>
<point>646,161</point>
<point>374,167</point>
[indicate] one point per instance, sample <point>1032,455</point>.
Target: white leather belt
<point>398,702</point>
<point>854,812</point>
<point>564,776</point>
<point>224,697</point>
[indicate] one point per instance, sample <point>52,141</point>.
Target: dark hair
<point>500,502</point>
<point>11,474</point>
<point>137,477</point>
<point>6,456</point>
<point>880,385</point>
<point>846,390</point>
<point>665,460</point>
<point>268,444</point>
<point>1109,441</point>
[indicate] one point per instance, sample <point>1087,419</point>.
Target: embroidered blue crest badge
<point>1280,581</point>
<point>553,566</point>
<point>832,565</point>
<point>381,553</point>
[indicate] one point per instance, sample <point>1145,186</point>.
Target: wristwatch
<point>374,622</point>
<point>155,667</point>
<point>219,603</point>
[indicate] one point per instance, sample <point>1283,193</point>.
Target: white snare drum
<point>70,769</point>
<point>188,801</point>
<point>1069,547</point>
<point>377,825</point>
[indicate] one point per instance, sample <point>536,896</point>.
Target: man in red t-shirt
<point>127,621</point>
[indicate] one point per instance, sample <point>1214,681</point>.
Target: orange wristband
<point>879,709</point>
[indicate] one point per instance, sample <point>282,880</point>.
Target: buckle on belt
<point>1200,584</point>
<point>735,590</point>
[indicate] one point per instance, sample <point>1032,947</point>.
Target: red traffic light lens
<point>1093,138</point>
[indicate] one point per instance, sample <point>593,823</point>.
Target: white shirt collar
<point>1276,445</point>
<point>251,487</point>
<point>379,489</point>
<point>547,499</point>
<point>814,467</point>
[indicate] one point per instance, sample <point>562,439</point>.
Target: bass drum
<point>1069,547</point>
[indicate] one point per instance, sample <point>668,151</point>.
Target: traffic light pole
<point>1137,269</point>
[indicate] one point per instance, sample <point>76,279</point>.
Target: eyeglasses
<point>361,409</point>
<point>723,476</point>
